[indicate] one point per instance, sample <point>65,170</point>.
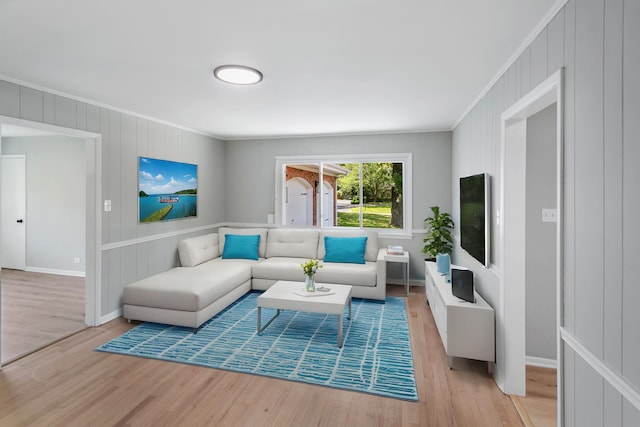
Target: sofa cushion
<point>239,246</point>
<point>196,250</point>
<point>371,250</point>
<point>262,247</point>
<point>187,288</point>
<point>345,249</point>
<point>279,268</point>
<point>348,274</point>
<point>292,243</point>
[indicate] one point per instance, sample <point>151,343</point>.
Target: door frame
<point>93,214</point>
<point>22,157</point>
<point>512,376</point>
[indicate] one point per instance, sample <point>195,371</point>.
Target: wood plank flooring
<point>38,309</point>
<point>539,407</point>
<point>69,383</point>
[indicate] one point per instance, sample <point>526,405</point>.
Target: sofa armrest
<point>381,265</point>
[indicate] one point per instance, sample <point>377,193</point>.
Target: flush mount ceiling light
<point>238,74</point>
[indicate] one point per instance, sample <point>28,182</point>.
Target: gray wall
<point>540,263</point>
<point>55,180</point>
<point>124,138</point>
<point>598,44</point>
<point>251,176</point>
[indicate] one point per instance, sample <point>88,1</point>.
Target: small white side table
<point>404,259</point>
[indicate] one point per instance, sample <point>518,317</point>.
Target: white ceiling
<point>330,66</point>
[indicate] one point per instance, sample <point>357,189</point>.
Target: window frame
<point>407,184</point>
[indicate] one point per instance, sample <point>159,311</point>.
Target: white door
<point>297,203</point>
<point>12,233</point>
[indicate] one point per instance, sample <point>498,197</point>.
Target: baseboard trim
<point>109,317</point>
<point>55,271</point>
<point>616,380</point>
<point>541,362</point>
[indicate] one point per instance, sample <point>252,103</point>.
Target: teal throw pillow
<point>238,246</point>
<point>345,249</point>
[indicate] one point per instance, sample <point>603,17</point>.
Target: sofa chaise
<point>218,268</point>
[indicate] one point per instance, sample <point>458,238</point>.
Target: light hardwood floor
<point>38,309</point>
<point>539,407</point>
<point>69,383</point>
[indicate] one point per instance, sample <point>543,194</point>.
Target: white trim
<point>100,104</point>
<point>139,240</point>
<point>405,158</point>
<point>93,212</point>
<point>55,271</point>
<point>541,362</point>
<point>514,57</point>
<point>618,382</point>
<point>109,317</point>
<point>511,374</point>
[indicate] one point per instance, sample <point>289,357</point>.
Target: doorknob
<point>19,221</point>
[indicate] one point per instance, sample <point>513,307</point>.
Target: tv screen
<point>474,216</point>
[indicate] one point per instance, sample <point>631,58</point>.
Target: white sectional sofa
<point>208,279</point>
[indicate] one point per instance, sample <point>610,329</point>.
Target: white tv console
<point>466,329</point>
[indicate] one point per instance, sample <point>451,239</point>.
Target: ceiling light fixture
<point>238,74</point>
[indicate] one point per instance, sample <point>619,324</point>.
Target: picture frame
<point>167,190</point>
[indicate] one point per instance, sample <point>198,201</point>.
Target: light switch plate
<point>107,205</point>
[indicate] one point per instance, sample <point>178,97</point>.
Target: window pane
<point>348,192</point>
<point>300,201</point>
<point>382,195</point>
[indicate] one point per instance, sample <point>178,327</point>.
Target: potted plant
<point>438,239</point>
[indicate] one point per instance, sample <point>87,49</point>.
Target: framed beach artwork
<point>166,190</point>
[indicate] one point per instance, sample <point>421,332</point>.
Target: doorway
<point>89,160</point>
<point>511,376</point>
<point>13,230</point>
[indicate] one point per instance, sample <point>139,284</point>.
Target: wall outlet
<point>107,205</point>
<point>270,218</point>
<point>76,260</point>
<point>549,215</point>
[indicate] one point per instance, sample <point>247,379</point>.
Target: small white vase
<point>310,283</point>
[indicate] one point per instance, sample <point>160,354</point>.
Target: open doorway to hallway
<point>42,281</point>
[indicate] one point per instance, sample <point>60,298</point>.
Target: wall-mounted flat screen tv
<point>475,215</point>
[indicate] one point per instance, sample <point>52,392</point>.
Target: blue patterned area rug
<point>375,358</point>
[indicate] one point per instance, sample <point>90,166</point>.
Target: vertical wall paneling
<point>93,119</point>
<point>129,177</point>
<point>65,112</point>
<point>49,108</point>
<point>612,406</point>
<point>81,116</point>
<point>555,43</point>
<point>569,399</point>
<point>613,184</point>
<point>104,279</point>
<point>589,191</point>
<point>31,101</point>
<point>142,256</point>
<point>569,167</point>
<point>630,414</point>
<point>142,149</point>
<point>9,99</point>
<point>525,71</point>
<point>128,270</point>
<point>631,193</point>
<point>589,388</point>
<point>115,178</point>
<point>597,42</point>
<point>539,59</point>
<point>106,194</point>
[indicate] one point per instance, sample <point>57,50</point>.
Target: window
<point>363,191</point>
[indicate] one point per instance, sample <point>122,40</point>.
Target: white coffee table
<point>281,296</point>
